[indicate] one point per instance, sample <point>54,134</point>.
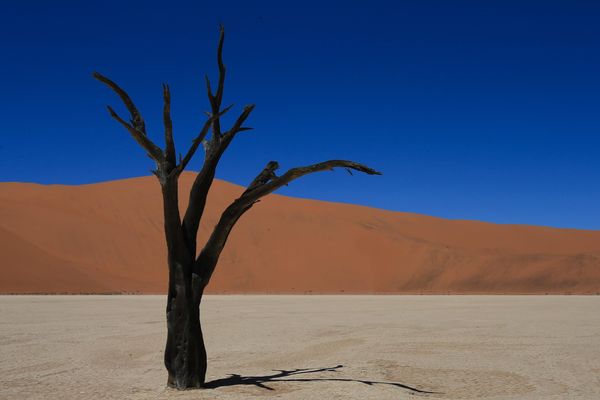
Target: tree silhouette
<point>190,271</point>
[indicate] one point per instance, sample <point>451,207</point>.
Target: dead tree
<point>190,271</point>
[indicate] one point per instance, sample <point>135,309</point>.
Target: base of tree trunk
<point>187,383</point>
<point>185,354</point>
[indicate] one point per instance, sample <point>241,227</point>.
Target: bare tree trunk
<point>185,354</point>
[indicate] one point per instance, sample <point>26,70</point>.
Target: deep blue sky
<point>485,110</point>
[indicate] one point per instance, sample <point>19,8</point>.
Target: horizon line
<point>515,224</point>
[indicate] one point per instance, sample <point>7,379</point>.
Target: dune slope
<point>108,237</point>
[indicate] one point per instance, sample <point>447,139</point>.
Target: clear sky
<point>486,110</point>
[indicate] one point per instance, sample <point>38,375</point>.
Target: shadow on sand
<point>291,376</point>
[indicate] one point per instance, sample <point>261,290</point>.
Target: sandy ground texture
<point>307,347</point>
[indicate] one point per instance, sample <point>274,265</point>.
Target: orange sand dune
<point>108,237</point>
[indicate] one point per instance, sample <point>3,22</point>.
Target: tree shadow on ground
<point>284,376</point>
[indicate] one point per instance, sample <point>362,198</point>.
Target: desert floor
<point>307,347</point>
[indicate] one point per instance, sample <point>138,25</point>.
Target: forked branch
<point>153,150</point>
<point>136,118</point>
<point>216,99</point>
<point>275,182</point>
<point>237,126</point>
<point>265,182</point>
<point>205,178</point>
<point>267,174</point>
<point>136,127</point>
<point>201,136</point>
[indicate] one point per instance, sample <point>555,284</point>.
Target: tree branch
<point>136,126</point>
<point>137,129</point>
<point>198,140</point>
<point>237,126</point>
<point>220,88</point>
<point>211,97</point>
<point>169,142</point>
<point>295,173</point>
<point>215,149</point>
<point>153,150</point>
<point>136,118</point>
<point>265,182</point>
<point>216,99</point>
<point>267,174</point>
<point>204,179</point>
